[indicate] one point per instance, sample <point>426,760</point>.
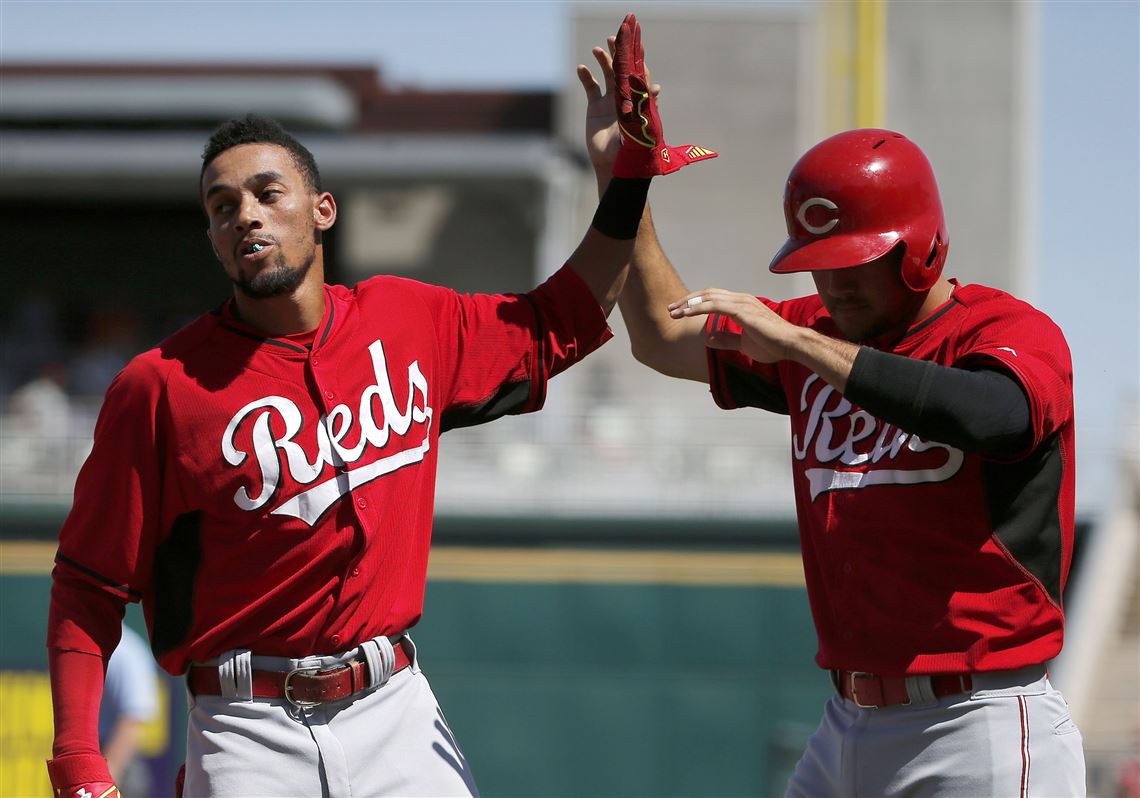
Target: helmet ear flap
<point>921,275</point>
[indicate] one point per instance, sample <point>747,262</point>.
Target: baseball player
<point>932,451</point>
<point>263,482</point>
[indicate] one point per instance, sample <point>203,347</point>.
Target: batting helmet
<point>856,196</point>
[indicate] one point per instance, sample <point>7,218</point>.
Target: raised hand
<point>602,137</point>
<point>643,151</point>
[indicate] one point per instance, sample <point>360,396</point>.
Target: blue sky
<point>1088,212</point>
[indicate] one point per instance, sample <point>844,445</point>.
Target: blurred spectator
<point>31,338</point>
<point>130,699</point>
<point>40,432</point>
<point>111,339</point>
<point>40,407</point>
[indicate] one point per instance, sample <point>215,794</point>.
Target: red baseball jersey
<point>258,493</point>
<point>919,557</point>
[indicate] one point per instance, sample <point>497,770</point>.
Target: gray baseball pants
<point>1011,737</point>
<point>391,740</point>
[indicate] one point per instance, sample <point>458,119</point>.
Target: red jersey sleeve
<point>103,560</point>
<point>497,351</point>
<point>1024,342</point>
<point>737,380</point>
<point>106,544</point>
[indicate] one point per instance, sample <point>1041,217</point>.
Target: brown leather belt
<point>869,690</point>
<point>302,687</point>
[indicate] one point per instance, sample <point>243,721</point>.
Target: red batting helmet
<point>856,196</point>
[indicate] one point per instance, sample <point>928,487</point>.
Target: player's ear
<point>324,211</point>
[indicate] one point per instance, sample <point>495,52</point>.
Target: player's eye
<point>270,195</point>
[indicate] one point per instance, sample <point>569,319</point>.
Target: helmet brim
<point>832,252</point>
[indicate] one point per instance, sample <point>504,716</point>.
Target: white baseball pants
<point>1011,737</point>
<point>389,741</point>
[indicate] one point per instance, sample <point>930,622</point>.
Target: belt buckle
<point>851,675</point>
<point>298,702</point>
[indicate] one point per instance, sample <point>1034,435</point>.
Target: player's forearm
<point>984,411</point>
<point>602,263</point>
<point>976,411</point>
<point>76,689</point>
<point>602,259</point>
<point>830,358</point>
<point>652,284</point>
<point>84,625</point>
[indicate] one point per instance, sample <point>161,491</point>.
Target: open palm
<point>603,140</point>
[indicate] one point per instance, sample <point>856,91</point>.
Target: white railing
<point>612,459</point>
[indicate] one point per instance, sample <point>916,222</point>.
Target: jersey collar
<point>301,343</point>
<point>914,331</point>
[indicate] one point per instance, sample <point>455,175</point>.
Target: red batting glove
<point>81,776</point>
<point>643,152</point>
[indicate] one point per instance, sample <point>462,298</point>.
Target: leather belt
<point>871,691</point>
<point>302,687</point>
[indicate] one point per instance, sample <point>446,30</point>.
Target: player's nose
<point>841,282</point>
<point>249,214</point>
<point>830,284</point>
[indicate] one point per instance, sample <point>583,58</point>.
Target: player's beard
<point>277,280</point>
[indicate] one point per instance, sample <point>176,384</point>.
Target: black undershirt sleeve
<point>984,411</point>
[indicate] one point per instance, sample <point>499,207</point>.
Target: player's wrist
<point>802,345</point>
<point>603,175</point>
<point>74,770</point>
<point>619,211</point>
<point>603,170</point>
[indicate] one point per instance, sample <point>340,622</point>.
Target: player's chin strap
<point>643,152</point>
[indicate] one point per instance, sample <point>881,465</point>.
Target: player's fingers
<point>607,65</point>
<point>589,83</point>
<point>638,49</point>
<point>696,303</point>
<point>695,298</point>
<point>611,42</point>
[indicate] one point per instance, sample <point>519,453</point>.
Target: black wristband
<point>619,212</point>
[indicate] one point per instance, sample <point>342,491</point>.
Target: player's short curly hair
<point>254,129</point>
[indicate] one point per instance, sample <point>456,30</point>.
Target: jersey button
<point>356,572</point>
<point>329,394</point>
<point>847,568</point>
<point>361,503</point>
<point>336,640</point>
<point>316,361</point>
